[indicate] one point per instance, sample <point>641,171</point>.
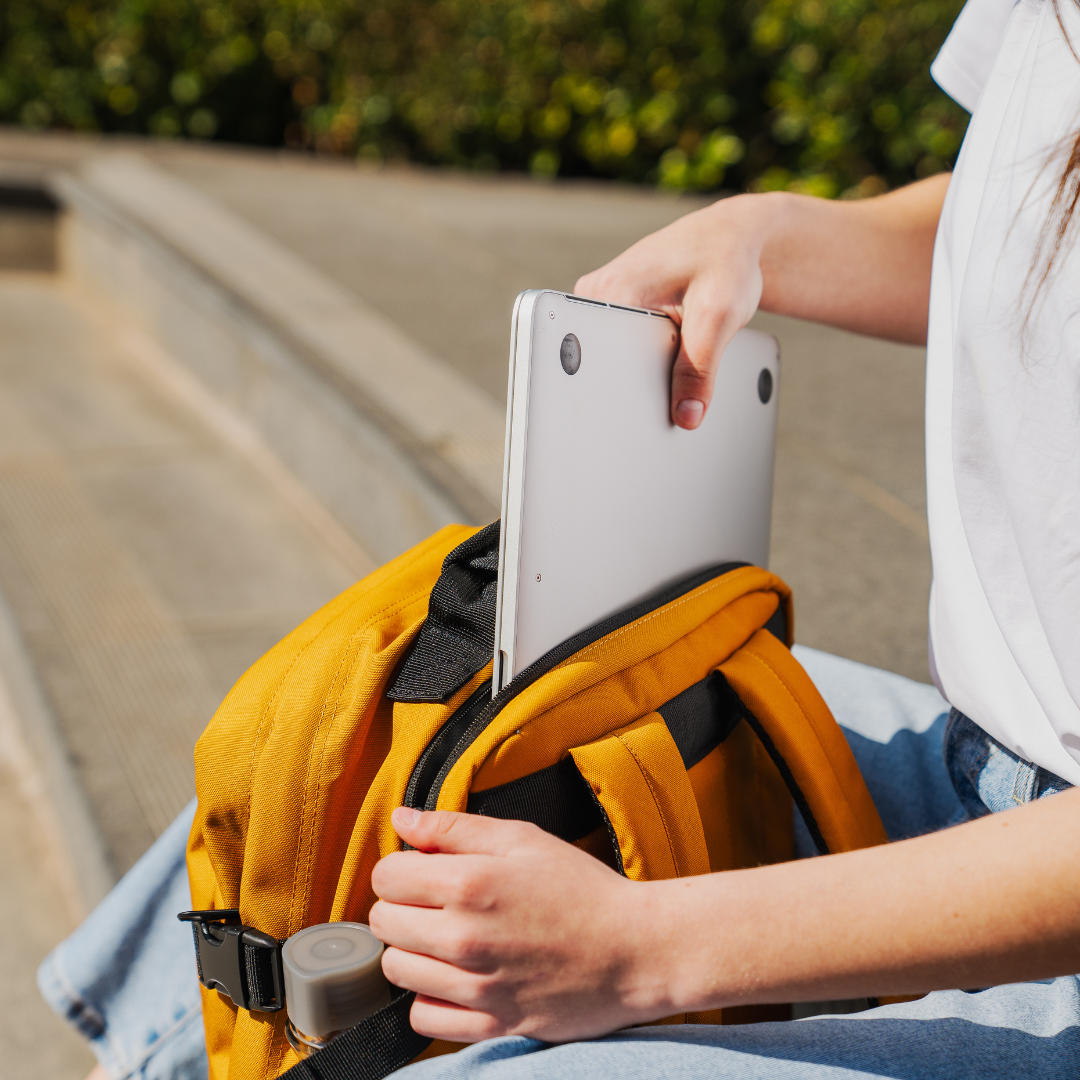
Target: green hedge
<point>827,96</point>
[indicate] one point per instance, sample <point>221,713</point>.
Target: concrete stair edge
<point>329,443</point>
<point>343,428</point>
<point>56,793</point>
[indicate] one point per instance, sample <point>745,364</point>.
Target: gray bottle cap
<point>333,977</point>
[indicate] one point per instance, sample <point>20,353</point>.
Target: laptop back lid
<point>605,501</point>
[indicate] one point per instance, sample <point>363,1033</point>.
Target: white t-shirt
<point>1002,415</point>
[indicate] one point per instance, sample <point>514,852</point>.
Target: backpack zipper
<point>435,753</point>
<point>469,720</point>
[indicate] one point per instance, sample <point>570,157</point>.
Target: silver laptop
<point>605,501</point>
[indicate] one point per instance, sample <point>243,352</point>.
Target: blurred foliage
<point>826,96</point>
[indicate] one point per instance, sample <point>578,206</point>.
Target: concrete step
<point>145,561</point>
<point>381,430</point>
<point>150,550</point>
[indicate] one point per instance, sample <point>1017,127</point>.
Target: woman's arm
<point>511,931</point>
<point>862,266</point>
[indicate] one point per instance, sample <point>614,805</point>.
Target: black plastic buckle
<point>238,961</point>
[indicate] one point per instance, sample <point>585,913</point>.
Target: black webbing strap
<point>458,636</point>
<point>265,981</point>
<point>556,798</point>
<point>376,1047</point>
<point>700,718</point>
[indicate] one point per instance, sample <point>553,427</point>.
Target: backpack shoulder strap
<point>779,701</point>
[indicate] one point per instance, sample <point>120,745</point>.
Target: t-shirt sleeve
<point>964,62</point>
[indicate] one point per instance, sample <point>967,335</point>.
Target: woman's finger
<point>462,834</point>
<point>436,978</point>
<point>714,310</point>
<point>444,1020</point>
<point>638,278</point>
<point>617,284</point>
<point>701,342</point>
<point>653,273</point>
<point>413,877</point>
<point>444,934</point>
<point>418,929</point>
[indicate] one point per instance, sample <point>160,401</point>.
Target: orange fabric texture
<point>743,803</point>
<point>617,680</point>
<point>282,772</point>
<point>303,763</point>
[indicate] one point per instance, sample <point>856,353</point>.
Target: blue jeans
<point>127,980</point>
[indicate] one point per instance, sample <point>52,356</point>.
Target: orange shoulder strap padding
<point>792,720</point>
<point>637,776</point>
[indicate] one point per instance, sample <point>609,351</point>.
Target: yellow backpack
<point>668,740</point>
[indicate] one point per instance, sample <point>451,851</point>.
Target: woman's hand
<point>862,266</point>
<point>704,271</point>
<point>502,929</point>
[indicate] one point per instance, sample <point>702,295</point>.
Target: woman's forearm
<point>862,266</point>
<point>990,902</point>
